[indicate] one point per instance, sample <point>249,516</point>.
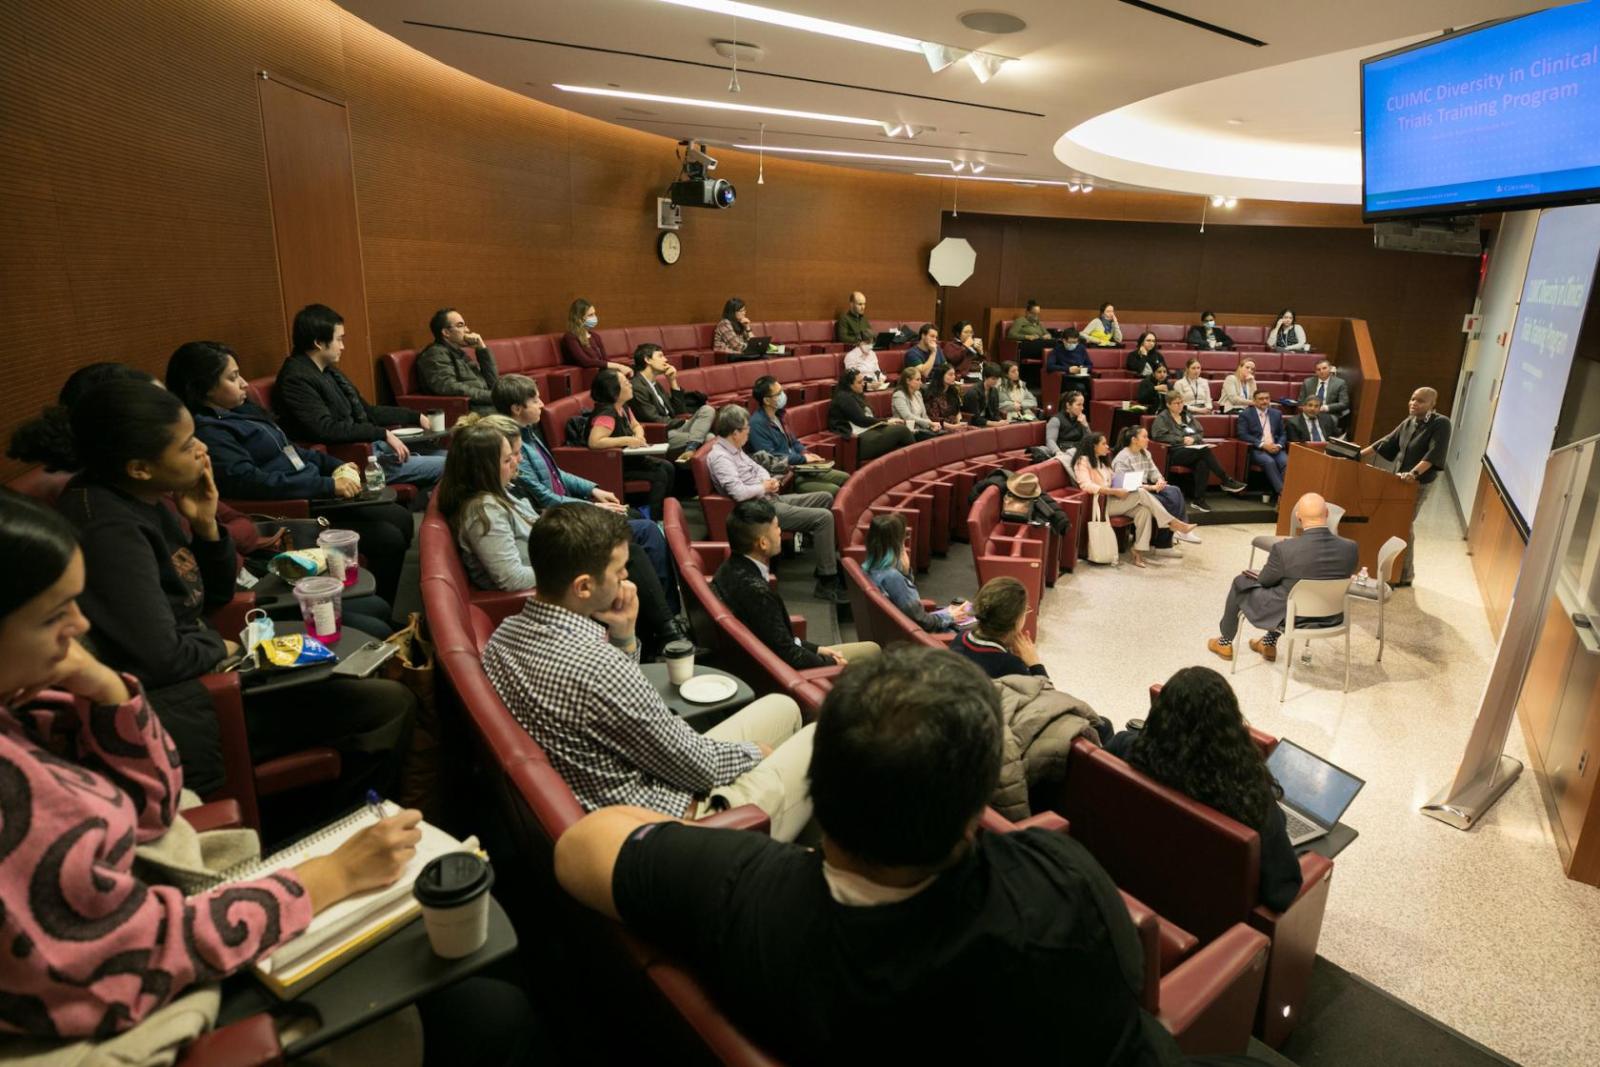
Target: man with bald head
<point>853,326</point>
<point>1316,552</point>
<point>1417,448</point>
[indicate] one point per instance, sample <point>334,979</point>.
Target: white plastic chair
<point>1314,598</point>
<point>1378,587</point>
<point>1264,542</point>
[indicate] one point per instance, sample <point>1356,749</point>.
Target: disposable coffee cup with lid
<point>680,661</point>
<point>454,893</point>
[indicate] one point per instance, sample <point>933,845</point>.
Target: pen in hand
<point>375,805</point>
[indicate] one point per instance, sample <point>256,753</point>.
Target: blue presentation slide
<point>1501,113</point>
<point>1560,275</point>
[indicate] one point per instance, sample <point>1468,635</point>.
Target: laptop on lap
<point>1316,794</point>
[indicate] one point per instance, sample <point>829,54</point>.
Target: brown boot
<point>1216,645</point>
<point>1268,652</point>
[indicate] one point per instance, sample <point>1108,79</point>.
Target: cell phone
<point>366,659</point>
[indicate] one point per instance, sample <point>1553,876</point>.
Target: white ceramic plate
<point>708,688</point>
<point>409,431</point>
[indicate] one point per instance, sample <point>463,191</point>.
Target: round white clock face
<point>669,247</point>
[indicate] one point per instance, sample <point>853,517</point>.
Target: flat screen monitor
<point>1498,116</point>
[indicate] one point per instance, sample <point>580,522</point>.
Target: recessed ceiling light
<point>992,22</point>
<point>971,178</point>
<point>718,105</point>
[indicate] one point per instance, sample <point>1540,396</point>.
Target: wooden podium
<point>1377,505</point>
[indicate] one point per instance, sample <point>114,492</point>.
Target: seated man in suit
<point>1316,552</point>
<point>1261,427</point>
<point>567,668</point>
<point>743,583</point>
<point>1310,425</point>
<point>982,404</point>
<point>1333,391</point>
<point>657,398</point>
<point>736,475</point>
<point>1208,334</point>
<point>1417,448</point>
<point>905,915</point>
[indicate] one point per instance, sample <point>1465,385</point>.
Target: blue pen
<point>375,803</point>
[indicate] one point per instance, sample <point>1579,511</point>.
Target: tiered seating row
<point>1251,339</point>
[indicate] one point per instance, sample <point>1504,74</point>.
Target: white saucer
<point>708,688</point>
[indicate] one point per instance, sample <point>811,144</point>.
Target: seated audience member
<point>909,407</point>
<point>1016,399</point>
<point>981,404</point>
<point>1027,328</point>
<point>888,565</point>
<point>963,349</point>
<point>1145,357</point>
<point>1239,387</point>
<point>864,361</point>
<point>1310,425</point>
<point>1286,336</point>
<point>849,416</point>
<point>582,347</point>
<point>769,434</point>
<point>735,475</point>
<point>1093,471</point>
<point>1195,741</point>
<point>1208,334</point>
<point>1417,448</point>
<point>1261,428</point>
<point>1315,552</point>
<point>1332,391</point>
<point>905,915</point>
<point>853,326</point>
<point>546,485</point>
<point>1070,356</point>
<point>316,402</point>
<point>1133,457</point>
<point>732,334</point>
<point>83,750</point>
<point>926,351</point>
<point>153,571</point>
<point>1067,427</point>
<point>567,668</point>
<point>999,644</point>
<point>1194,389</point>
<point>941,397</point>
<point>490,512</point>
<point>612,426</point>
<point>1153,391</point>
<point>755,539</point>
<point>657,398</point>
<point>252,459</point>
<point>1103,331</point>
<point>1186,447</point>
<point>444,368</point>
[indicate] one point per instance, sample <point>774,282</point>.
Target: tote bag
<point>1102,538</point>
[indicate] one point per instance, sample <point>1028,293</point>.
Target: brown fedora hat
<point>1025,486</point>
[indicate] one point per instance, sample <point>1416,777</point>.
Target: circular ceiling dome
<point>992,22</point>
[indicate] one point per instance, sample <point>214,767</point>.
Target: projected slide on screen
<point>1503,113</point>
<point>1560,275</point>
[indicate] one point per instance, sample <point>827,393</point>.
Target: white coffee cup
<point>436,420</point>
<point>454,893</point>
<point>680,661</point>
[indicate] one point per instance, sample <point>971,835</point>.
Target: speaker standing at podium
<point>1417,448</point>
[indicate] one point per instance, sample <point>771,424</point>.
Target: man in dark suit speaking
<point>1317,552</point>
<point>1417,448</point>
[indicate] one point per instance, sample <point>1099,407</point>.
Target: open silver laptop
<point>1315,792</point>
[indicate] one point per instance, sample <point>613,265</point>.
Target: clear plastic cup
<point>344,562</point>
<point>321,601</point>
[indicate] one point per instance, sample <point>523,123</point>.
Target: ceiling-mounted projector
<point>703,192</point>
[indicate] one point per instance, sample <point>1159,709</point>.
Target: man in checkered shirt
<point>567,666</point>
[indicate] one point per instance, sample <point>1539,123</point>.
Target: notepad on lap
<point>342,932</point>
<point>657,449</point>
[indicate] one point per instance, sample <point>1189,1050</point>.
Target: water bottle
<point>1362,579</point>
<point>375,479</point>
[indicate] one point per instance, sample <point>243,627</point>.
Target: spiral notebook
<point>338,934</point>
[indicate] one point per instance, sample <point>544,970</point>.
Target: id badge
<point>294,458</point>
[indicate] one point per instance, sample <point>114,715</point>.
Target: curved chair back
<point>1388,554</point>
<point>1313,598</point>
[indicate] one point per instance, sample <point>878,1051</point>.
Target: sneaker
<point>1189,535</point>
<point>1196,505</point>
<point>1231,486</point>
<point>827,589</point>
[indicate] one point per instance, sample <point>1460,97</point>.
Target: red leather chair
<point>400,368</point>
<point>716,507</point>
<point>809,424</point>
<point>1247,335</point>
<point>250,1042</point>
<point>1152,839</point>
<point>1167,333</point>
<point>997,552</point>
<point>601,466</point>
<point>440,560</point>
<point>876,617</point>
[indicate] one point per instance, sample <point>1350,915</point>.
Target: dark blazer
<point>1315,553</point>
<point>249,461</point>
<point>848,409</point>
<point>1430,441</point>
<point>1147,395</point>
<point>647,406</point>
<point>1135,363</point>
<point>1197,337</point>
<point>1250,427</point>
<point>1299,427</point>
<point>1337,400</point>
<point>322,406</point>
<point>1171,432</point>
<point>739,584</point>
<point>982,405</point>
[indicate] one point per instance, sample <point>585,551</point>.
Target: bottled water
<point>375,480</point>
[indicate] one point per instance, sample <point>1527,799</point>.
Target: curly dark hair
<point>1195,741</point>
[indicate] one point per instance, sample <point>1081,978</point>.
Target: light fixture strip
<point>843,155</point>
<point>793,21</point>
<point>974,178</point>
<point>717,105</point>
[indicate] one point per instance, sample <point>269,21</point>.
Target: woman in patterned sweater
<point>87,774</point>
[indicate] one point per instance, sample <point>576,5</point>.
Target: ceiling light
<point>1073,187</point>
<point>979,168</point>
<point>722,105</point>
<point>803,22</point>
<point>1012,181</point>
<point>940,56</point>
<point>1088,187</point>
<point>985,65</point>
<point>1230,202</point>
<point>1216,201</point>
<point>892,131</point>
<point>957,165</point>
<point>834,153</point>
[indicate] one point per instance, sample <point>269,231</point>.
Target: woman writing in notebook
<point>87,773</point>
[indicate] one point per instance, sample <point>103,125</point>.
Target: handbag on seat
<point>1102,538</point>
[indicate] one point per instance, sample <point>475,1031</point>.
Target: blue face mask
<point>782,401</point>
<point>591,322</point>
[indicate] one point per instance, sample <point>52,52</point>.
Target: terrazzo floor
<point>1480,929</point>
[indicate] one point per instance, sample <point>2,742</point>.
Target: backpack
<point>577,428</point>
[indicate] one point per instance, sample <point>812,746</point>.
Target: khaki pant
<point>777,785</point>
<point>1146,510</point>
<point>855,650</point>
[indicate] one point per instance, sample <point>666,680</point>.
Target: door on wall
<point>311,178</point>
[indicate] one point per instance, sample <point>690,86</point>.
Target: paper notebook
<point>657,449</point>
<point>342,932</point>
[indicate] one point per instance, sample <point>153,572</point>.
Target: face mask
<point>1210,325</point>
<point>591,322</point>
<point>782,401</point>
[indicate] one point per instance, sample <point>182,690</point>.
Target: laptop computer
<point>887,339</point>
<point>757,346</point>
<point>1316,794</point>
